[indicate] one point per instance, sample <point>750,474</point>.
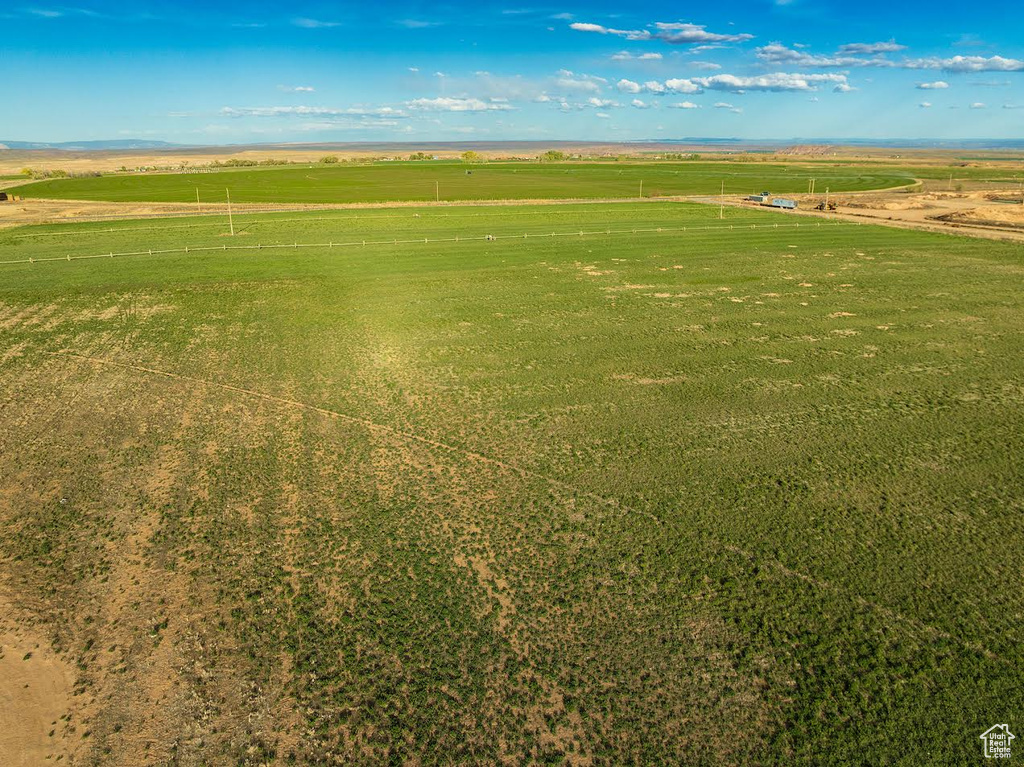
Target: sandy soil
<point>13,160</point>
<point>66,211</point>
<point>966,212</point>
<point>35,693</point>
<point>59,211</point>
<point>978,213</point>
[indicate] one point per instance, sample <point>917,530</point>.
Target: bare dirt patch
<point>35,693</point>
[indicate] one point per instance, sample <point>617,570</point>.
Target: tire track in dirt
<point>775,564</point>
<point>368,424</point>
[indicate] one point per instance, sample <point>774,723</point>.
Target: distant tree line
<point>59,173</point>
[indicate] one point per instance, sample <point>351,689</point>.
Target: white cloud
<point>685,105</point>
<point>728,106</point>
<point>977,105</point>
<point>675,33</point>
<point>567,81</point>
<point>871,48</point>
<point>777,81</point>
<point>417,23</point>
<point>603,115</point>
<point>776,53</point>
<point>1012,106</point>
<point>601,103</point>
<point>925,105</point>
<point>967,64</point>
<point>447,104</point>
<point>640,104</point>
<point>935,86</point>
<point>628,86</point>
<point>681,85</point>
<point>705,65</point>
<point>582,27</point>
<point>693,33</point>
<point>627,56</point>
<point>296,88</point>
<point>314,23</point>
<point>345,124</point>
<point>306,111</point>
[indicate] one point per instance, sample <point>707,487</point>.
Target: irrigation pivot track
<point>737,228</point>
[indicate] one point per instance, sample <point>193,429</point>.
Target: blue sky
<point>318,71</point>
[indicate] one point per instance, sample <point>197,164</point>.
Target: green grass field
<point>732,495</point>
<point>387,182</point>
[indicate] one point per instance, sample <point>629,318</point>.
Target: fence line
<point>242,214</point>
<point>428,240</point>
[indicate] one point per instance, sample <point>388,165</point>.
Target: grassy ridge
<point>743,487</point>
<point>492,181</point>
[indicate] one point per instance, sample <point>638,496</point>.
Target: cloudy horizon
<point>185,73</point>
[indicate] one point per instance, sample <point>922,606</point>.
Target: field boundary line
<point>737,227</point>
<point>242,216</point>
<point>366,423</point>
<point>612,503</point>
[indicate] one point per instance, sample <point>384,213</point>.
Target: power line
<point>427,240</point>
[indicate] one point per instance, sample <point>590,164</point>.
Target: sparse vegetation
<point>730,496</point>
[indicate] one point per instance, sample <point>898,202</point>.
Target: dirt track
<point>972,213</point>
<point>37,211</point>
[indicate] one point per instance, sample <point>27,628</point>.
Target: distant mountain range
<point>85,146</point>
<point>894,143</point>
<point>735,143</point>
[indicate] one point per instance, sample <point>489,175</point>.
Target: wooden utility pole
<point>827,214</point>
<point>198,204</point>
<point>641,187</point>
<point>231,221</point>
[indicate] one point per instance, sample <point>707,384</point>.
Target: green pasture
<point>388,182</point>
<point>743,494</point>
